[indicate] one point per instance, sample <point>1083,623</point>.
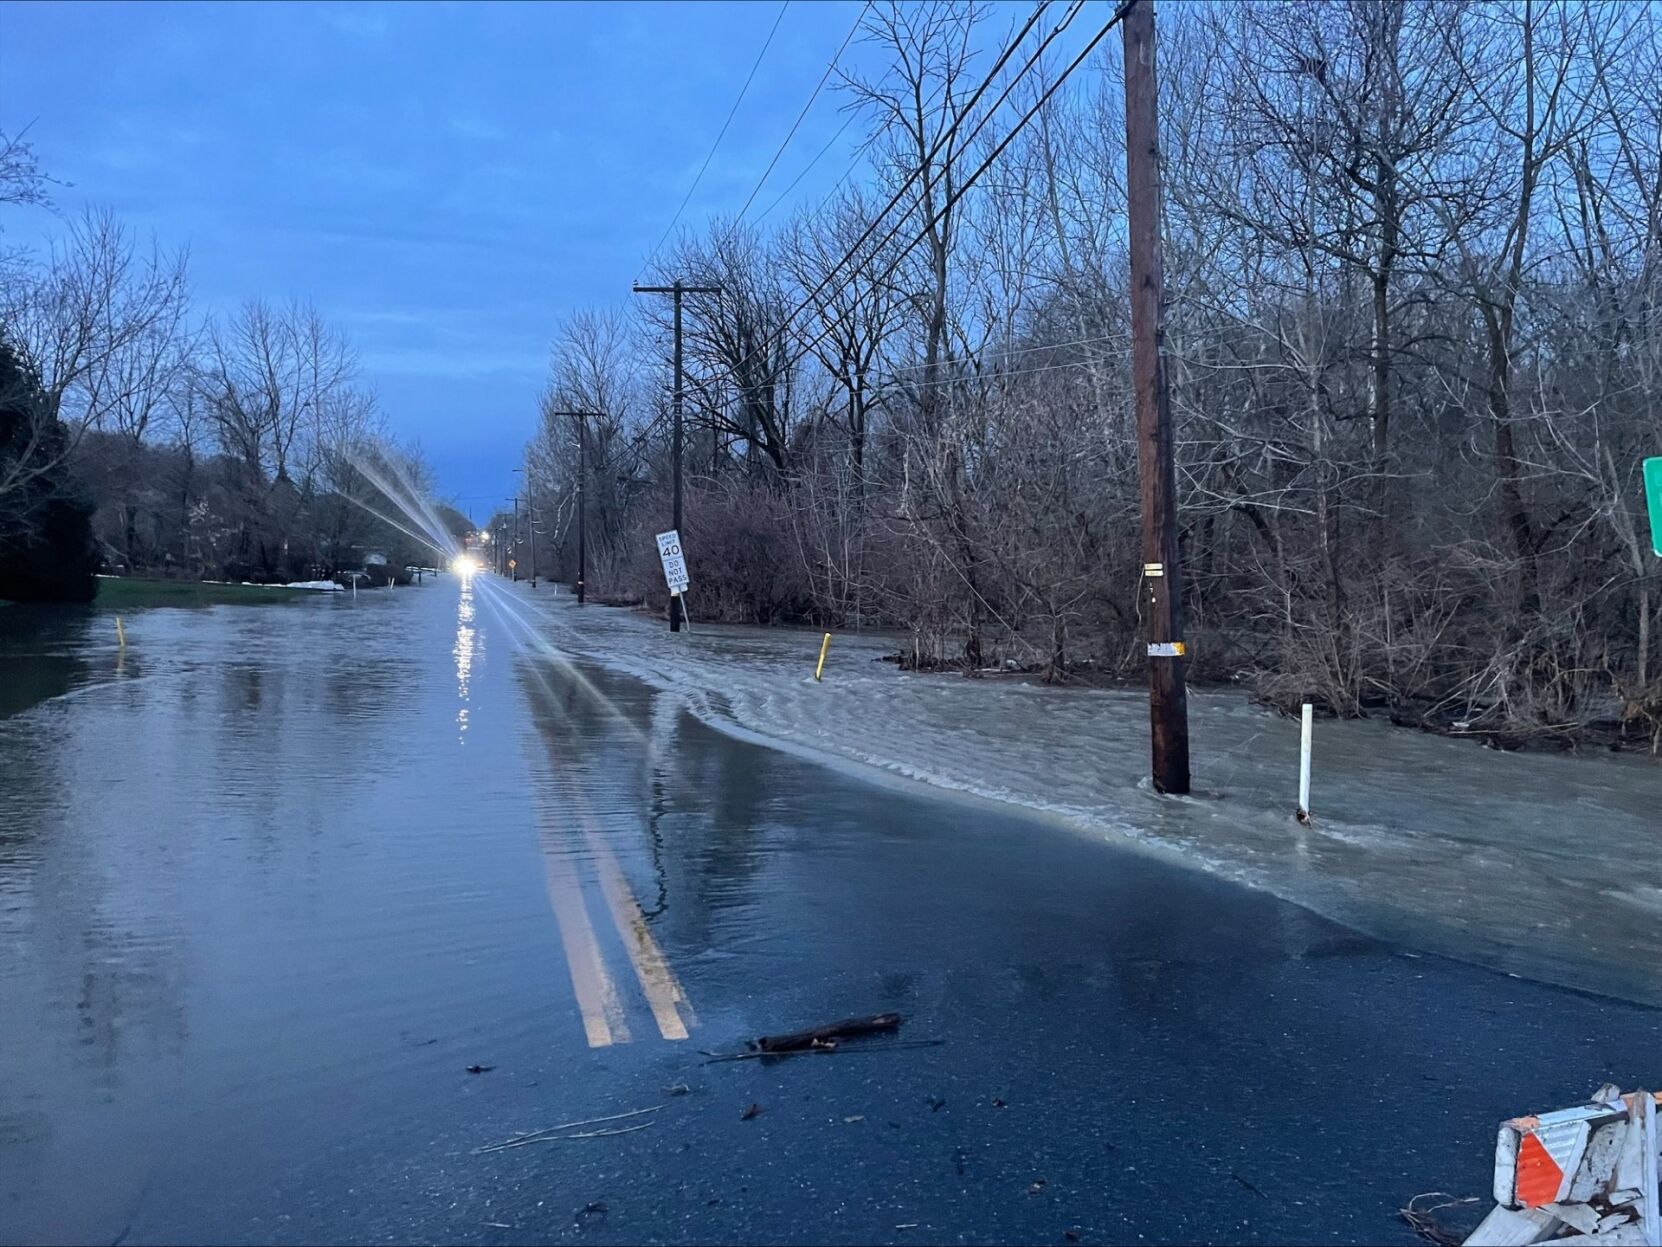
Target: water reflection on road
<point>254,869</point>
<point>268,861</point>
<point>466,645</point>
<point>271,887</point>
<point>44,653</point>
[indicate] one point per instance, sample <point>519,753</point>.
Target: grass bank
<point>131,592</point>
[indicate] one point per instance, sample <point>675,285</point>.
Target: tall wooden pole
<point>1162,576</point>
<point>582,503</point>
<point>582,419</point>
<point>678,289</point>
<point>530,519</point>
<point>675,453</point>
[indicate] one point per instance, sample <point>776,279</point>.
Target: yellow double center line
<point>597,995</point>
<point>598,998</point>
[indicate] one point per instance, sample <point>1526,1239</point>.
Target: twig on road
<point>828,1035</point>
<point>596,1134</point>
<point>1420,1220</point>
<point>824,1050</point>
<point>544,1135</point>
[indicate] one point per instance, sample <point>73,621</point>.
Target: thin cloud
<point>360,21</point>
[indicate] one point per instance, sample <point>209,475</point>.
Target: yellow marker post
<point>120,634</point>
<point>823,647</point>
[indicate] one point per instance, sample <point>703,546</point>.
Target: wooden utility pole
<point>582,502</point>
<point>1168,703</point>
<point>582,418</point>
<point>513,558</point>
<point>530,518</point>
<point>678,289</point>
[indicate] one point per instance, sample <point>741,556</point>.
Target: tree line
<point>137,435</point>
<point>1412,263</point>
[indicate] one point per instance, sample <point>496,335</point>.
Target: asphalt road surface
<point>275,878</point>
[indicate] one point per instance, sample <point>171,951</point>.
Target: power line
<point>1061,26</point>
<point>818,87</point>
<point>780,198</point>
<point>992,372</point>
<point>733,112</point>
<point>846,173</point>
<point>945,137</point>
<point>997,354</point>
<point>1067,20</point>
<point>942,140</point>
<point>997,151</point>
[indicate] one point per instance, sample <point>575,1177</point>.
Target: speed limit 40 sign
<point>674,560</point>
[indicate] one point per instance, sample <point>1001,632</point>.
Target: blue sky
<point>443,181</point>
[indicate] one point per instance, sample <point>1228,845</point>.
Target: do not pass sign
<point>674,560</point>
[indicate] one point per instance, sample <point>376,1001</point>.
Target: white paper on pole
<point>674,560</point>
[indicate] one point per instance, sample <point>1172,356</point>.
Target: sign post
<point>1653,500</point>
<point>674,559</point>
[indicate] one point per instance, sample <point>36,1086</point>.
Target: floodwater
<point>1548,866</point>
<point>274,879</point>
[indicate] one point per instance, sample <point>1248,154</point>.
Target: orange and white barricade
<point>1584,1175</point>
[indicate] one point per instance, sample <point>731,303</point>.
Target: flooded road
<point>1546,866</point>
<point>274,878</point>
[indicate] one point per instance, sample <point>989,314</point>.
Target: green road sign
<point>1653,499</point>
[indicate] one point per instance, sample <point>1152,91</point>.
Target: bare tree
<point>91,324</point>
<point>1414,251</point>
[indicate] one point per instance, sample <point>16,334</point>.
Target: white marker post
<point>1304,763</point>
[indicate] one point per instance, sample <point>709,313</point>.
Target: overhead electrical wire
<point>780,198</point>
<point>941,140</point>
<point>795,125</point>
<point>1045,43</point>
<point>997,151</point>
<point>732,112</point>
